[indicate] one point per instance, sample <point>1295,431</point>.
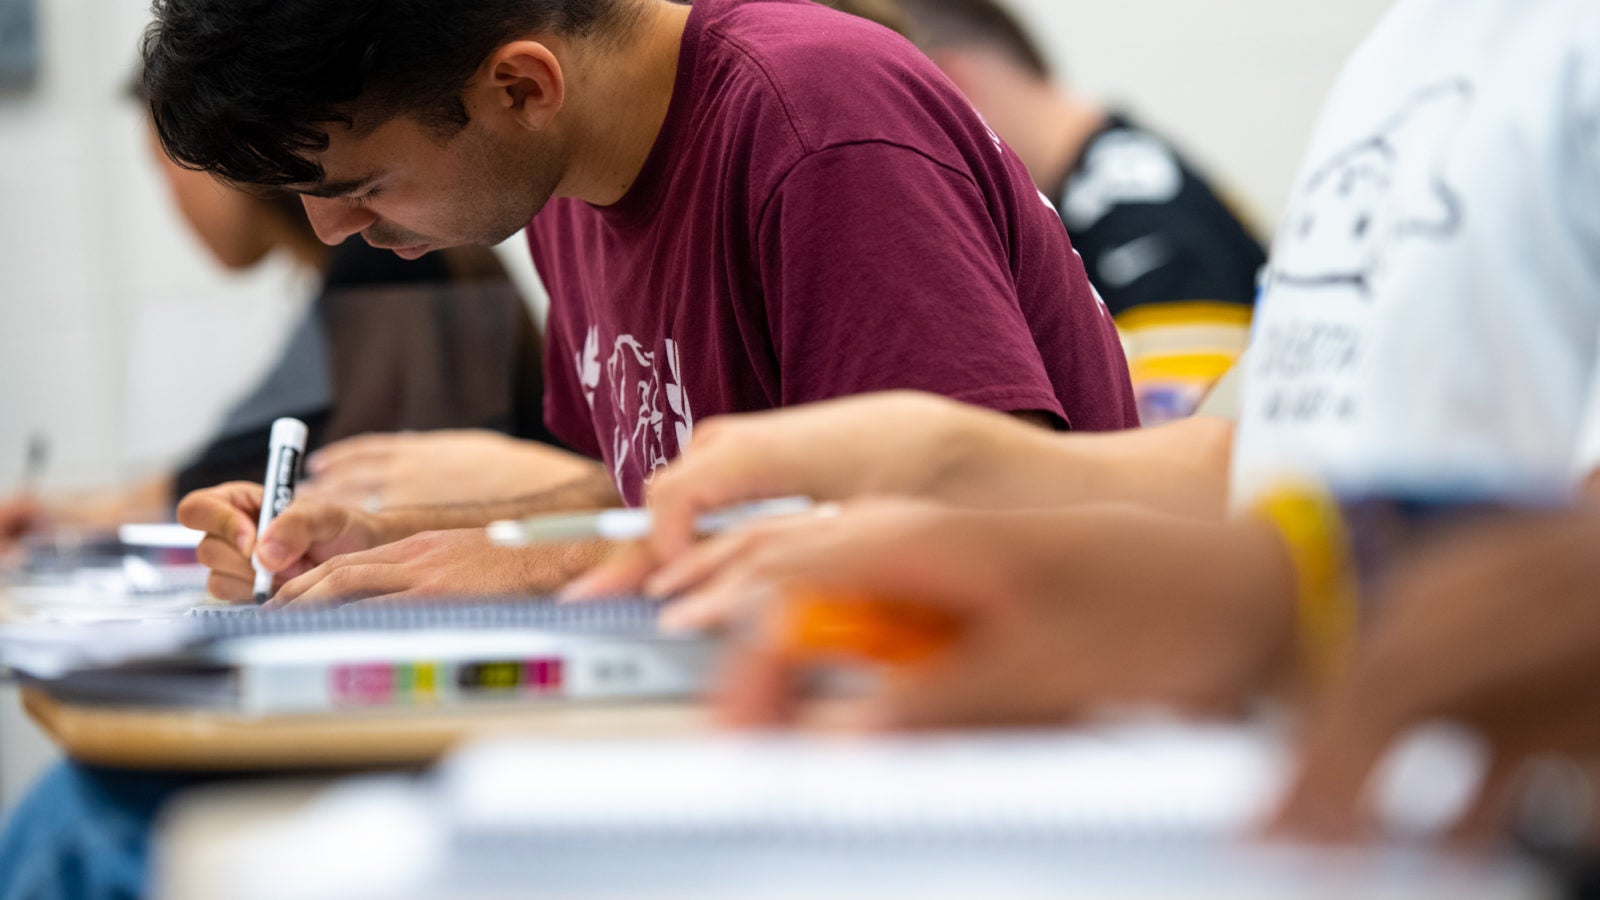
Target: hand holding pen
<point>245,536</point>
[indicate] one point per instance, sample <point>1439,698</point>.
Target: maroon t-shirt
<point>823,214</point>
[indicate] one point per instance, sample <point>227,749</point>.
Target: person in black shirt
<point>442,342</point>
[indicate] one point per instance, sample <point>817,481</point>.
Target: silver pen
<point>632,524</point>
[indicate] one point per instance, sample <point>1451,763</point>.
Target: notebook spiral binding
<point>604,617</point>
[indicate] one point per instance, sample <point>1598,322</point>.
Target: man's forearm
<point>1180,468</point>
<point>594,490</point>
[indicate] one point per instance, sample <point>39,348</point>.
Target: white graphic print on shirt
<point>633,384</point>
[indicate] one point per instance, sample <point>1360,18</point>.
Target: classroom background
<point>122,342</point>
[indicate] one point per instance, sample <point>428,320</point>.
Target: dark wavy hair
<point>246,89</point>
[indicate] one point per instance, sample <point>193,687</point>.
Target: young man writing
<point>735,206</point>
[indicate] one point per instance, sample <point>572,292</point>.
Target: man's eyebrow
<point>332,190</point>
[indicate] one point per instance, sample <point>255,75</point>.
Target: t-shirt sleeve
<point>882,269</point>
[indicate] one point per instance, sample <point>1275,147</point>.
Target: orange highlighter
<point>899,634</point>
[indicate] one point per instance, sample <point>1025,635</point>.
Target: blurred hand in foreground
<point>896,443</point>
<point>1498,630</point>
<point>916,445</point>
<point>1056,613</point>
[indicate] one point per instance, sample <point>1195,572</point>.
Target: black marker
<point>285,452</point>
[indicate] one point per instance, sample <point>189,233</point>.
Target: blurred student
<point>1430,327</point>
<point>789,205</point>
<point>380,348</point>
<point>1177,266</point>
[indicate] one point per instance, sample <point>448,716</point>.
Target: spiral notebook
<point>440,655</point>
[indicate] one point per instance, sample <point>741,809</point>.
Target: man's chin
<point>506,236</point>
<point>416,252</point>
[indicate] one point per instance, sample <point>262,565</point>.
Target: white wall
<point>1238,82</point>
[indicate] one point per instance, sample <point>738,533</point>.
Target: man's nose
<point>335,221</point>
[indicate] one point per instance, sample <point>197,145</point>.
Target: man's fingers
<point>764,686</point>
<point>699,563</point>
<point>719,602</point>
<point>293,534</point>
<point>401,598</point>
<point>333,584</point>
<point>705,480</point>
<point>1486,820</point>
<point>295,570</point>
<point>967,688</point>
<point>227,511</point>
<point>223,558</point>
<point>1344,747</point>
<point>673,513</point>
<point>228,587</point>
<point>759,687</point>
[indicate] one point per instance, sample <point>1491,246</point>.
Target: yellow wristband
<point>1313,530</point>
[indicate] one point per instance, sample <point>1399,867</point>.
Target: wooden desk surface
<point>212,741</point>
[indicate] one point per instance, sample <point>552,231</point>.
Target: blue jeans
<point>84,833</point>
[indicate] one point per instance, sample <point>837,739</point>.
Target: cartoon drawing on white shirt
<point>1376,194</point>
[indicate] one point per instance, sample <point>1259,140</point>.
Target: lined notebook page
<point>1144,812</point>
<point>1152,781</point>
<point>1159,781</point>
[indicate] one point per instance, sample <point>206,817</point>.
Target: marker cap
<point>289,432</point>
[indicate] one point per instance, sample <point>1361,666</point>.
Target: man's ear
<point>523,80</point>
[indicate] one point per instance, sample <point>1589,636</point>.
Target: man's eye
<point>364,199</point>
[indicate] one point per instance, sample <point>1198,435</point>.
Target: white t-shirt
<point>1431,314</point>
